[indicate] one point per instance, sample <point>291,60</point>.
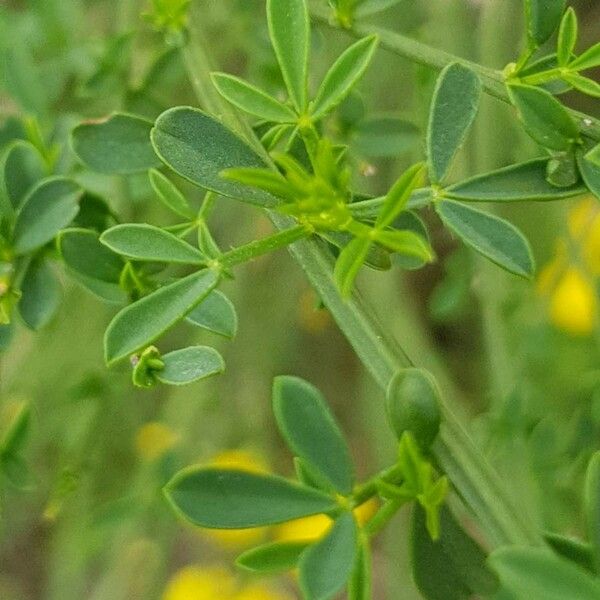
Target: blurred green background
<point>520,360</point>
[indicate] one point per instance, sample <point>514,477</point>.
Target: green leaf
<point>538,573</point>
<point>15,432</point>
<point>264,179</point>
<point>588,60</point>
<point>326,566</point>
<point>572,549</point>
<point>231,499</point>
<point>385,137</point>
<point>371,7</point>
<point>289,28</point>
<point>522,182</point>
<point>189,365</point>
<point>593,156</point>
<point>567,37</point>
<point>494,238</point>
<point>140,241</point>
<point>276,557</point>
<point>117,145</point>
<point>545,119</point>
<point>562,170</point>
<point>252,99</point>
<point>543,17</point>
<point>590,173</point>
<point>41,294</point>
<point>452,567</point>
<point>92,264</point>
<point>405,243</point>
<point>199,147</point>
<point>343,76</point>
<point>592,506</point>
<point>454,107</point>
<point>311,431</point>
<point>360,584</point>
<point>48,208</point>
<point>215,313</point>
<point>169,195</point>
<point>139,324</point>
<point>16,472</point>
<point>397,198</point>
<point>348,264</point>
<point>22,167</point>
<point>583,84</point>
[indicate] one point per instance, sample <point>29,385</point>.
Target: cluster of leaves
<point>233,499</point>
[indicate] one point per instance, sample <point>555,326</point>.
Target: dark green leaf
<point>14,433</point>
<point>140,241</point>
<point>311,432</point>
<point>230,499</point>
<point>276,557</point>
<point>139,324</point>
<point>189,365</point>
<point>23,167</point>
<point>326,566</point>
<point>538,573</point>
<point>48,208</point>
<point>117,145</point>
<point>453,110</point>
<point>251,99</point>
<point>199,147</point>
<point>567,37</point>
<point>289,28</point>
<point>216,313</point>
<point>522,182</point>
<point>41,294</point>
<point>349,262</point>
<point>544,117</point>
<point>343,76</point>
<point>494,238</point>
<point>590,173</point>
<point>169,195</point>
<point>592,506</point>
<point>572,549</point>
<point>543,17</point>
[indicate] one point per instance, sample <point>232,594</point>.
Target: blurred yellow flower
<point>195,582</point>
<point>258,591</point>
<point>574,304</point>
<point>153,440</point>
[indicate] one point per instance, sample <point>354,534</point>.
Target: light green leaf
<point>140,241</point>
<point>588,60</point>
<point>48,208</point>
<point>543,17</point>
<point>23,167</point>
<point>522,182</point>
<point>139,324</point>
<point>494,238</point>
<point>252,99</point>
<point>567,37</point>
<point>117,145</point>
<point>326,566</point>
<point>41,294</point>
<point>189,365</point>
<point>538,573</point>
<point>360,584</point>
<point>583,84</point>
<point>169,195</point>
<point>276,557</point>
<point>348,264</point>
<point>453,109</point>
<point>371,7</point>
<point>590,173</point>
<point>14,433</point>
<point>562,170</point>
<point>311,431</point>
<point>397,198</point>
<point>199,147</point>
<point>405,243</point>
<point>593,156</point>
<point>343,76</point>
<point>216,313</point>
<point>592,506</point>
<point>289,28</point>
<point>264,179</point>
<point>544,117</point>
<point>231,499</point>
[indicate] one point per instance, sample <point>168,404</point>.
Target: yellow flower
<point>200,583</point>
<point>574,304</point>
<point>259,591</point>
<point>153,440</point>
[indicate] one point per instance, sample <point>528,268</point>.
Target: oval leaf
<point>48,208</point>
<point>23,167</point>
<point>311,432</point>
<point>543,17</point>
<point>190,364</point>
<point>276,557</point>
<point>41,295</point>
<point>326,566</point>
<point>231,499</point>
<point>216,313</point>
<point>169,195</point>
<point>117,145</point>
<point>494,238</point>
<point>140,241</point>
<point>198,147</point>
<point>141,323</point>
<point>343,76</point>
<point>453,110</point>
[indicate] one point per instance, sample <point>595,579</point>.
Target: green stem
<point>456,453</point>
<point>492,80</point>
<point>385,514</point>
